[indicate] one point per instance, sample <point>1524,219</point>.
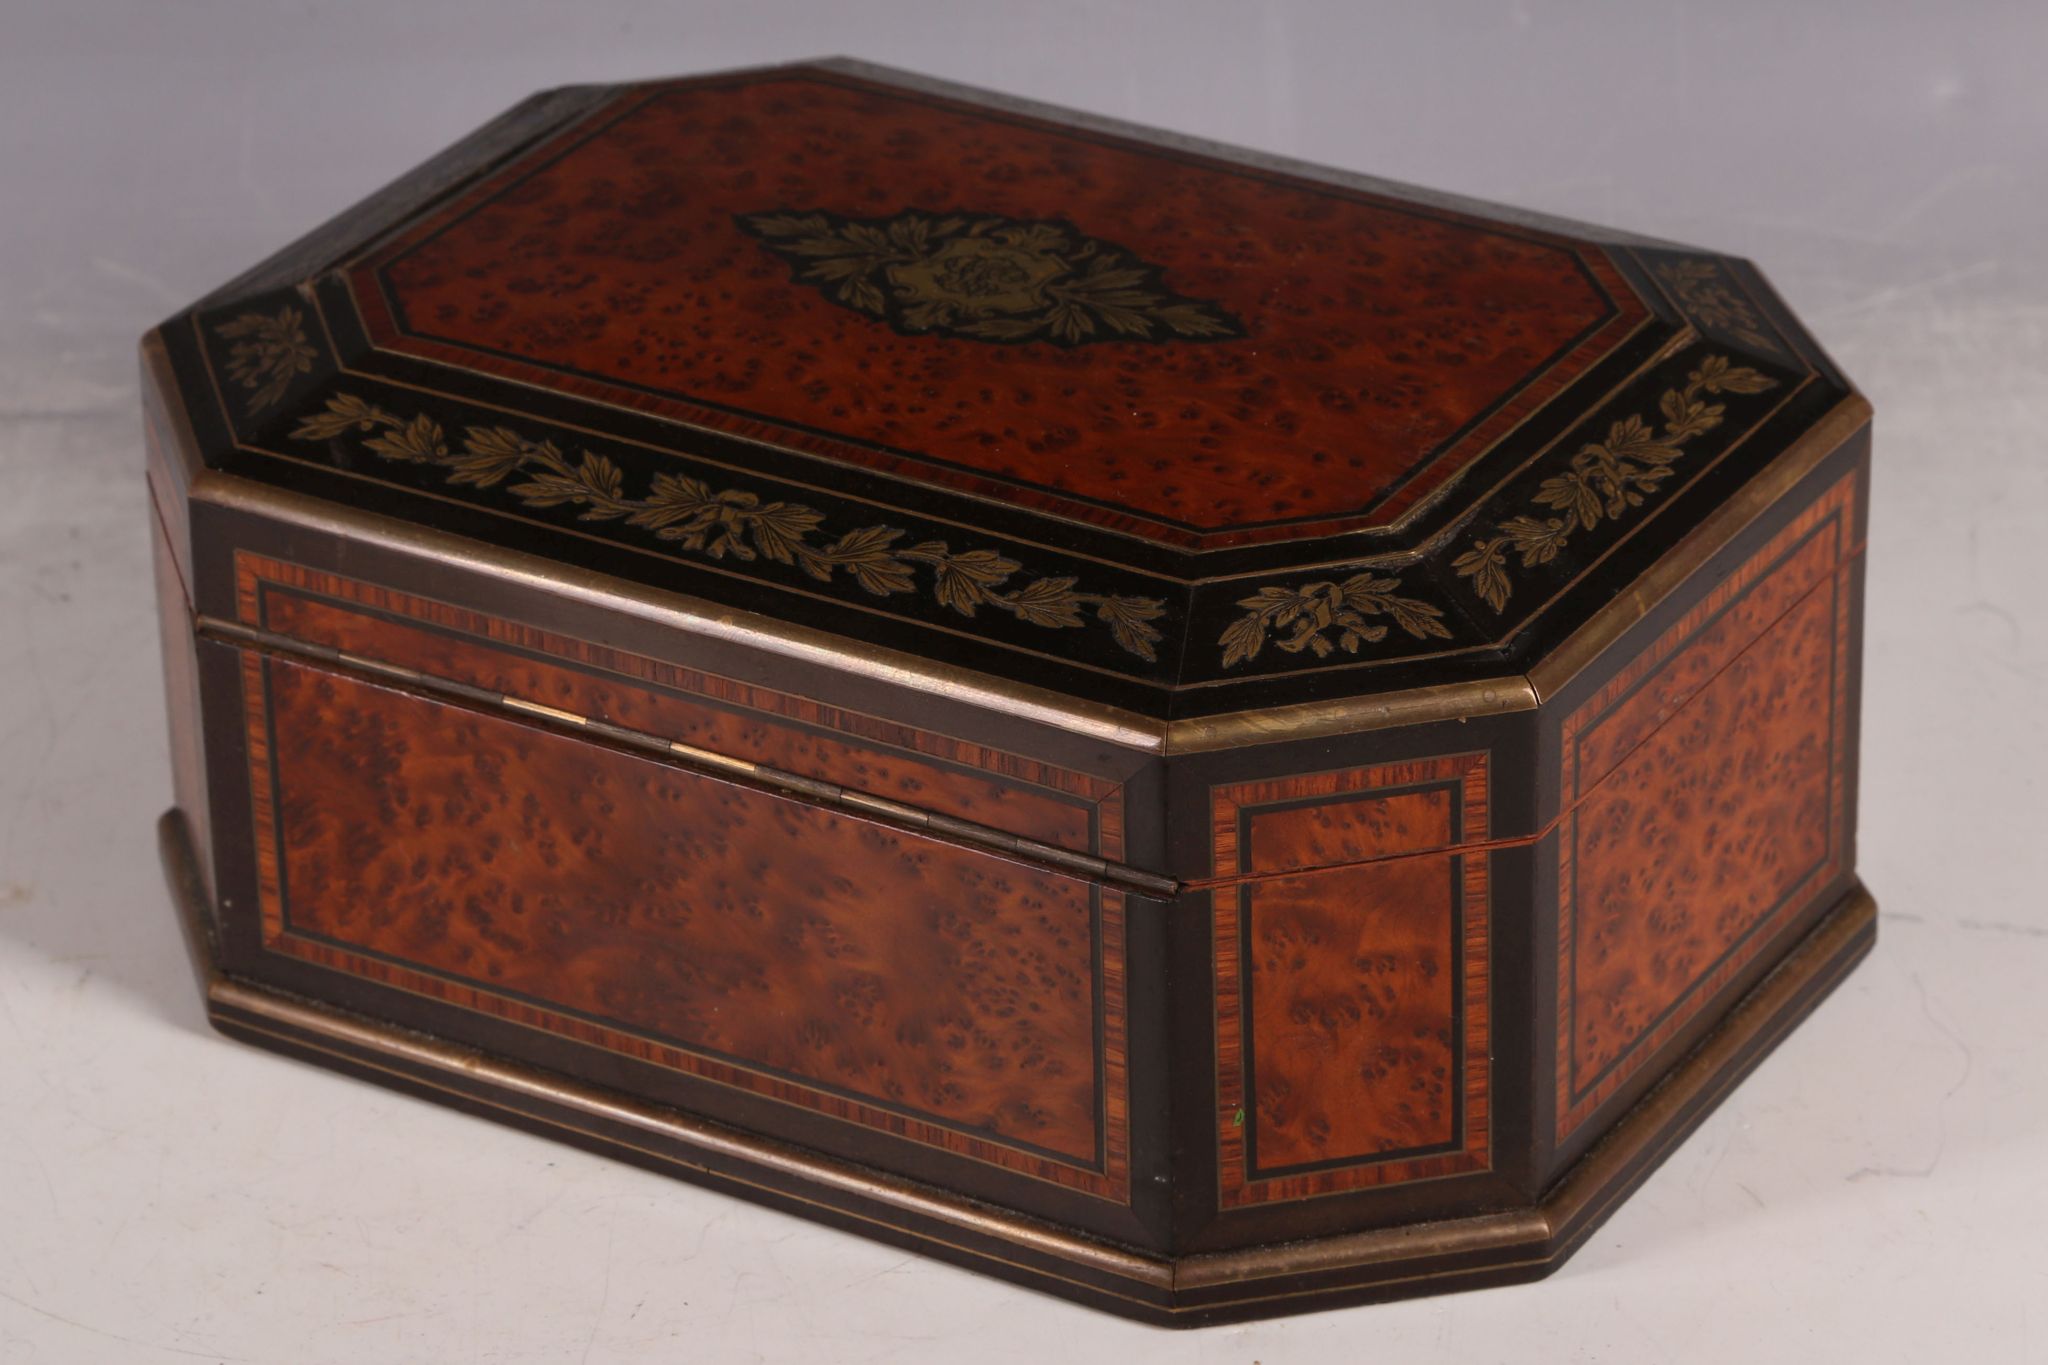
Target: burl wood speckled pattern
<point>1708,806</point>
<point>939,993</point>
<point>1386,343</point>
<point>1346,816</point>
<point>1020,795</point>
<point>1351,1002</point>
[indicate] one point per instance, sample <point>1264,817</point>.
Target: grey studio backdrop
<point>1875,1192</point>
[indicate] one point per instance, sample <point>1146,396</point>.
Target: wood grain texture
<point>1352,1009</point>
<point>1019,795</point>
<point>1346,815</point>
<point>917,987</point>
<point>1707,793</point>
<point>1387,342</point>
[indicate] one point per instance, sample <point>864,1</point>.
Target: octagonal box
<point>1203,734</point>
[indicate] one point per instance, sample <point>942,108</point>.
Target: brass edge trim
<point>682,612</point>
<point>1520,1230</point>
<point>233,1016</point>
<point>712,566</point>
<point>1521,624</point>
<point>1503,842</point>
<point>986,838</point>
<point>1598,1180</point>
<point>174,842</point>
<point>1114,725</point>
<point>1349,715</point>
<point>1655,1124</point>
<point>1549,1232</point>
<point>1550,674</point>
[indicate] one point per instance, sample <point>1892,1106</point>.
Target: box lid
<point>1140,421</point>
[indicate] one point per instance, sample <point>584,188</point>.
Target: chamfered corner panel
<point>1352,1000</point>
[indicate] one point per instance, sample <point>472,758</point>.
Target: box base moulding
<point>1353,1268</point>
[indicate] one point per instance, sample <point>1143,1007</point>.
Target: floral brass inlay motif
<point>733,522</point>
<point>1311,613</point>
<point>1707,297</point>
<point>987,278</point>
<point>1606,478</point>
<point>268,353</point>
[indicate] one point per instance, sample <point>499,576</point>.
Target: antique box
<point>1203,734</point>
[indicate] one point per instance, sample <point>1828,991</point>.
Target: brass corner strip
<point>778,780</point>
<point>1351,715</point>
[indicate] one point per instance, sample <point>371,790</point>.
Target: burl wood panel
<point>1707,784</point>
<point>1351,1002</point>
<point>610,263</point>
<point>939,993</point>
<point>935,772</point>
<point>1349,815</point>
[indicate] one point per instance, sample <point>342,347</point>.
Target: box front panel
<point>887,980</point>
<point>1707,786</point>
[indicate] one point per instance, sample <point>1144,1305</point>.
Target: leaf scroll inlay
<point>1605,479</point>
<point>736,524</point>
<point>268,353</point>
<point>1327,616</point>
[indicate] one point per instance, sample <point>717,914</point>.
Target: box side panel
<point>1706,784</point>
<point>903,1001</point>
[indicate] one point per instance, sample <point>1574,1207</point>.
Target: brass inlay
<point>1706,295</point>
<point>1350,715</point>
<point>982,277</point>
<point>716,523</point>
<point>1606,478</point>
<point>1315,610</point>
<point>268,353</point>
<point>1549,674</point>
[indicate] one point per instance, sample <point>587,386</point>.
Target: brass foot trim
<point>1262,1281</point>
